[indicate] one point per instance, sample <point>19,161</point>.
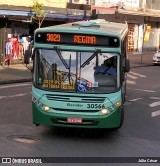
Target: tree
<point>39,13</point>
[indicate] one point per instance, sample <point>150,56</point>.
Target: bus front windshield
<point>77,71</point>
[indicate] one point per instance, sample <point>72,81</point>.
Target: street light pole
<point>144,5</point>
<point>144,10</point>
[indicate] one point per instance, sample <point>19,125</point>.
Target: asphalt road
<point>138,137</point>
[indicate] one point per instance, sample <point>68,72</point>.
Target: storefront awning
<point>15,13</point>
<point>139,13</point>
<point>104,10</point>
<point>30,13</point>
<point>65,16</point>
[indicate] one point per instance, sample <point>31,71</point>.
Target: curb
<point>15,81</point>
<point>137,66</point>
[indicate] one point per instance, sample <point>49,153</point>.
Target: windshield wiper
<point>61,57</point>
<point>69,73</point>
<point>90,58</point>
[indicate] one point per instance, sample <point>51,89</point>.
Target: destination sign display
<point>77,39</point>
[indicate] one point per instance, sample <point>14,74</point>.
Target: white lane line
<point>156,113</point>
<point>136,74</point>
<point>2,97</point>
<point>135,99</point>
<point>14,85</point>
<point>131,82</point>
<point>143,90</point>
<point>131,76</point>
<point>154,104</point>
<point>17,95</point>
<point>156,98</point>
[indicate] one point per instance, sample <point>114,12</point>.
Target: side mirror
<point>127,66</point>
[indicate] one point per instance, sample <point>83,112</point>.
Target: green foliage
<point>39,14</point>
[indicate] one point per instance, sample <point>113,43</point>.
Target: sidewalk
<point>16,73</point>
<point>141,60</point>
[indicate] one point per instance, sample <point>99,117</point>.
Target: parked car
<point>156,58</point>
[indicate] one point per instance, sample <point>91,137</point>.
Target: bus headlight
<point>39,104</point>
<point>46,108</point>
<point>108,110</point>
<point>104,111</point>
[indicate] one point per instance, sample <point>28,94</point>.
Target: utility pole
<point>144,5</point>
<point>87,2</point>
<point>144,10</point>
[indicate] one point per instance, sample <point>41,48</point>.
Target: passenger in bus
<point>108,67</point>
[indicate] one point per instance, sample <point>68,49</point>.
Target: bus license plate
<point>74,120</point>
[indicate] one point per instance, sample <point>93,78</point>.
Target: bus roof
<point>96,26</point>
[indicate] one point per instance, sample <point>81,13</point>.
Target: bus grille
<point>75,110</point>
<point>82,99</point>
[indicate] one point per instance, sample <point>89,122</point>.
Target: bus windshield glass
<point>77,71</point>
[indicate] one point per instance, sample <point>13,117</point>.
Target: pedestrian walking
<point>28,53</point>
<point>8,55</point>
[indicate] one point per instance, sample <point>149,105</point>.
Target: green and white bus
<point>68,90</point>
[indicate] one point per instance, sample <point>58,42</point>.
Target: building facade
<point>16,19</point>
<point>142,17</point>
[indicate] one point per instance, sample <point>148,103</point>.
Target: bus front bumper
<point>112,120</point>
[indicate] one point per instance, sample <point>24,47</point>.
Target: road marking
<point>144,90</point>
<point>17,95</point>
<point>136,74</point>
<point>156,98</point>
<point>156,113</point>
<point>131,82</point>
<point>2,97</point>
<point>131,76</point>
<point>154,104</point>
<point>15,85</point>
<point>135,99</point>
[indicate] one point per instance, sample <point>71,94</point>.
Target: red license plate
<point>74,120</point>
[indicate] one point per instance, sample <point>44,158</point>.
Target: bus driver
<point>108,67</point>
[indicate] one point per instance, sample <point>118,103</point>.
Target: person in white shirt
<point>8,49</point>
